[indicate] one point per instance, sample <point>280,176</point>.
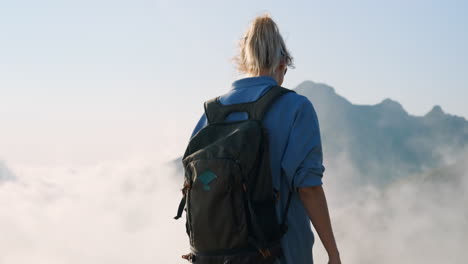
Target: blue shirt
<point>295,147</point>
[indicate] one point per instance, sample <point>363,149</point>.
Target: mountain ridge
<point>384,139</point>
<point>386,102</point>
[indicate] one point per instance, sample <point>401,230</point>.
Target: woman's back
<point>295,155</point>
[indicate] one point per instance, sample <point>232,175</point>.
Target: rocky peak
<point>391,105</point>
<point>318,87</point>
<point>436,112</point>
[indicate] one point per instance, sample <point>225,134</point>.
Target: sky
<point>82,81</point>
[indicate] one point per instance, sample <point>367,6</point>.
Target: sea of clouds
<point>115,212</point>
<point>122,212</point>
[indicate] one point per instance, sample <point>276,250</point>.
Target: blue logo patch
<point>206,178</point>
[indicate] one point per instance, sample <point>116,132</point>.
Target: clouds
<point>121,212</point>
<point>109,213</point>
<point>414,220</point>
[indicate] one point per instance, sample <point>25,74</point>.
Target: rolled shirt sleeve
<point>302,161</point>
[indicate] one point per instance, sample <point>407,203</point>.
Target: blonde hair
<point>262,48</point>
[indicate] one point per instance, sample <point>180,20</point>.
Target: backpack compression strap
<point>216,112</point>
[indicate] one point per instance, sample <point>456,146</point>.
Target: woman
<point>294,139</point>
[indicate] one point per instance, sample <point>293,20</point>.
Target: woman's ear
<point>281,69</point>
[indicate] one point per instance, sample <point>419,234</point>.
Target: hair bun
<point>262,47</point>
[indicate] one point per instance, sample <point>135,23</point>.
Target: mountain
<point>383,141</point>
<point>5,173</point>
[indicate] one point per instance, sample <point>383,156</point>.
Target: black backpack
<point>228,193</point>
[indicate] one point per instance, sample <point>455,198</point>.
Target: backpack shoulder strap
<point>261,106</point>
<point>216,112</point>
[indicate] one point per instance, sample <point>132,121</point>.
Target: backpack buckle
<point>190,257</point>
<point>265,252</point>
<point>187,186</point>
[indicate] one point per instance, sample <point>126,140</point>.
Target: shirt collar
<point>253,81</point>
